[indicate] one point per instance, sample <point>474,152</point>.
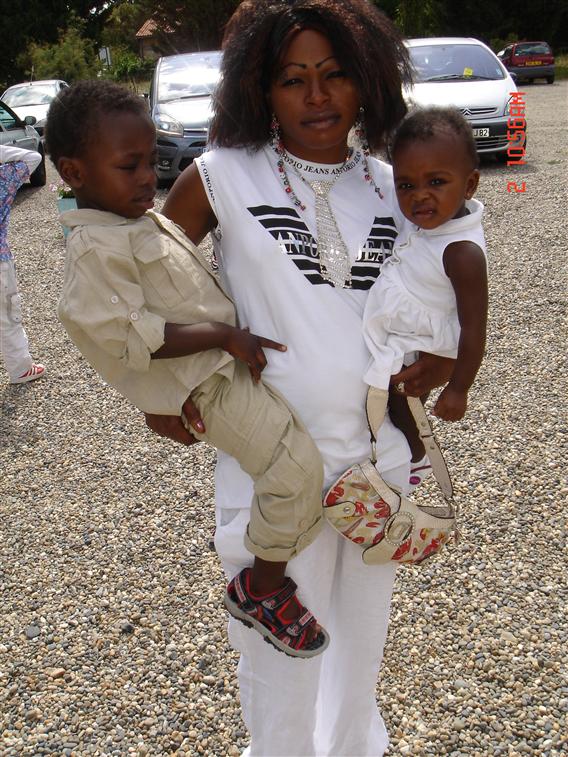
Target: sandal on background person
<point>35,372</point>
<point>266,615</point>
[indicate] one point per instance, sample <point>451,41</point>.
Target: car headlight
<point>507,111</point>
<point>166,126</point>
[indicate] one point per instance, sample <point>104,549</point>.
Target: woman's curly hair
<point>366,43</point>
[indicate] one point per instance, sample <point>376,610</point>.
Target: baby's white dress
<point>412,306</point>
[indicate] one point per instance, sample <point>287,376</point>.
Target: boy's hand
<point>248,348</point>
<point>450,405</point>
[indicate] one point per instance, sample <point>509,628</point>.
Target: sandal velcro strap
<point>281,596</point>
<point>296,628</point>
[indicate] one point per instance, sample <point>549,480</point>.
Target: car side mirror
<point>513,75</point>
<point>30,120</point>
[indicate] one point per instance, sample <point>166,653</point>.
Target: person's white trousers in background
<point>326,706</point>
<point>13,340</point>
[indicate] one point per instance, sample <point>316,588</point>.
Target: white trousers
<point>13,339</point>
<point>325,706</point>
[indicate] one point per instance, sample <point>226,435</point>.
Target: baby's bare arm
<point>466,268</point>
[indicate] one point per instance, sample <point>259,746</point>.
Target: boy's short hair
<point>425,123</point>
<point>73,117</point>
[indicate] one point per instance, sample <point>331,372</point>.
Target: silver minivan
<point>465,73</point>
<point>180,106</point>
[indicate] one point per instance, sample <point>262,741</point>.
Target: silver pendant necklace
<point>335,265</point>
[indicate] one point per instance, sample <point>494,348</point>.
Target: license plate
<point>480,132</point>
<point>533,63</point>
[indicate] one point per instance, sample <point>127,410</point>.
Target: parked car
<point>529,60</point>
<point>180,106</point>
<point>33,98</point>
<point>465,73</point>
<point>21,133</point>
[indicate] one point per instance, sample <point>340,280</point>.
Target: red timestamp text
<point>516,137</point>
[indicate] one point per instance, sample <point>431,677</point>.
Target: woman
<point>303,226</point>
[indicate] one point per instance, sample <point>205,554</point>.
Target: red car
<point>529,60</point>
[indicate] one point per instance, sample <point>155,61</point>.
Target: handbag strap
<point>377,400</point>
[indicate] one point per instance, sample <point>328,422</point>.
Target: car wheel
<point>550,79</point>
<point>39,176</point>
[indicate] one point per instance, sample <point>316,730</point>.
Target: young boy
<point>16,165</point>
<point>143,307</point>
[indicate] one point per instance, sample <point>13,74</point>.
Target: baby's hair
<point>424,123</point>
<point>366,43</point>
<point>74,115</point>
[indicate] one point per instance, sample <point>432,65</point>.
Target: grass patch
<point>561,64</point>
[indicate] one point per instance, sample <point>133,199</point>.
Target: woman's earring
<point>275,134</point>
<point>361,132</point>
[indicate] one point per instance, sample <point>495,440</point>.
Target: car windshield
<point>187,77</point>
<point>454,63</point>
<point>533,48</point>
<point>7,120</point>
<point>40,94</point>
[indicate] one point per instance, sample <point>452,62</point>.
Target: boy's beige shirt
<point>124,279</point>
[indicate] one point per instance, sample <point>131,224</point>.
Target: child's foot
<point>419,471</point>
<point>301,637</point>
<point>36,371</point>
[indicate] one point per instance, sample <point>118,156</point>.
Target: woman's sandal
<point>419,471</point>
<point>265,614</point>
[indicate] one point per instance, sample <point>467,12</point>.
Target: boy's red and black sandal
<point>266,615</point>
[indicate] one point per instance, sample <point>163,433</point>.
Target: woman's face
<point>314,99</point>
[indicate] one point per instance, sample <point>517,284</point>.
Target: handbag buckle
<point>398,528</point>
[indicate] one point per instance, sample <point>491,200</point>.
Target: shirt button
<point>114,299</point>
<point>134,316</point>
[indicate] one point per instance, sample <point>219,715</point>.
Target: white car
<point>465,73</point>
<point>17,132</point>
<point>33,99</point>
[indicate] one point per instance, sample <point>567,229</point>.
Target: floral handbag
<point>386,524</point>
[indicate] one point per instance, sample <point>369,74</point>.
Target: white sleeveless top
<point>412,307</point>
<point>267,253</point>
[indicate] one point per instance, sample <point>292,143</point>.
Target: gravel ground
<point>112,640</point>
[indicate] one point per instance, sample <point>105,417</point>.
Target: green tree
<point>487,20</point>
<point>126,17</point>
<point>126,66</point>
<point>71,58</point>
<point>420,18</point>
<point>25,21</point>
<point>197,24</point>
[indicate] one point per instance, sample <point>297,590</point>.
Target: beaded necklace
<point>280,150</point>
<point>335,264</point>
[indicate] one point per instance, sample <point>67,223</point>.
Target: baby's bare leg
<point>403,419</point>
